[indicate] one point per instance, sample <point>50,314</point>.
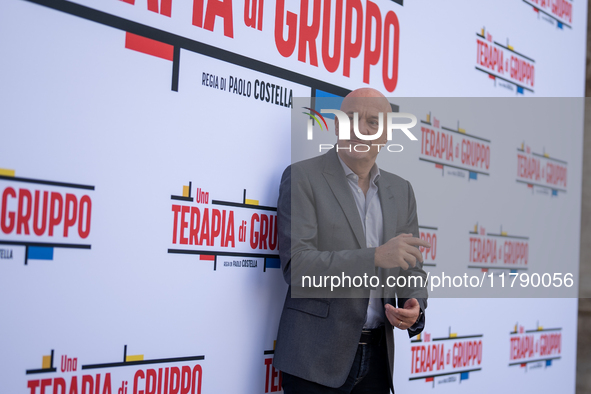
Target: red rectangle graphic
<point>148,46</point>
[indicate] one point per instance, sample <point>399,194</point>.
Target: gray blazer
<point>320,232</point>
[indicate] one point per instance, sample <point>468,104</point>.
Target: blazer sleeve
<point>417,287</point>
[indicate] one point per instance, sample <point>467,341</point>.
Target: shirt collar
<point>374,173</point>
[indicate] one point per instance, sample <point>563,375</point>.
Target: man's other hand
<point>400,251</point>
<point>403,318</point>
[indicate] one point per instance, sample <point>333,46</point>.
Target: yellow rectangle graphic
<point>186,191</point>
<point>462,130</point>
<point>6,172</point>
<point>46,363</point>
<point>251,202</point>
<point>455,334</point>
<point>504,233</point>
<point>137,357</point>
<point>510,47</point>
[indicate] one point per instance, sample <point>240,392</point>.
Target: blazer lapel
<point>389,209</point>
<point>335,177</point>
<point>389,215</point>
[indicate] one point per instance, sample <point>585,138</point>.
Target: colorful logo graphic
<point>40,215</point>
<point>503,64</point>
<point>182,375</point>
<point>559,12</point>
<point>497,250</point>
<point>382,125</point>
<point>314,116</point>
<point>467,155</point>
<point>540,171</point>
<point>379,128</point>
<point>445,359</point>
<point>224,230</point>
<point>536,348</point>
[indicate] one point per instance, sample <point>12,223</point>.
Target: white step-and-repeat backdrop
<point>142,143</point>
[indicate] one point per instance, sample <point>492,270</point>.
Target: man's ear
<point>336,126</point>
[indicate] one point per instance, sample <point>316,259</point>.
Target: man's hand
<point>400,252</point>
<point>403,318</point>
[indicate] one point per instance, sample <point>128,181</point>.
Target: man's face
<point>368,109</point>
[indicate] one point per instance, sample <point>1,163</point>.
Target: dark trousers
<point>369,374</point>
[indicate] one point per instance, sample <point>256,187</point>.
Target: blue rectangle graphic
<point>40,253</point>
<point>473,175</point>
<point>272,263</point>
<point>464,375</point>
<point>325,100</point>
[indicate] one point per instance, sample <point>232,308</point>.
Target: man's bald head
<point>373,96</point>
<point>365,92</point>
<point>367,110</point>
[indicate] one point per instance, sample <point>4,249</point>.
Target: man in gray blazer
<point>339,215</point>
